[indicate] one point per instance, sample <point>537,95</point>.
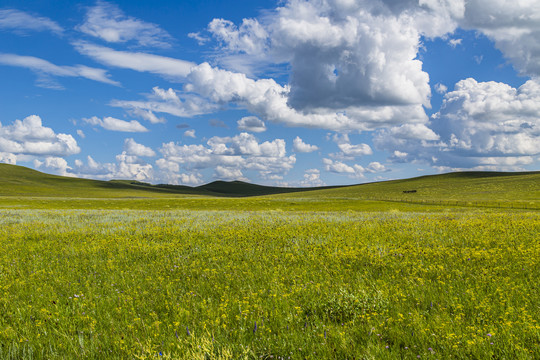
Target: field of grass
<point>136,272</point>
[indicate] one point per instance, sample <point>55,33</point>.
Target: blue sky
<point>290,93</point>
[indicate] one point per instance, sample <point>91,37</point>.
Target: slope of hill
<point>240,188</point>
<point>21,181</point>
<point>460,186</point>
<point>18,181</point>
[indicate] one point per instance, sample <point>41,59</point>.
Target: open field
<point>325,274</point>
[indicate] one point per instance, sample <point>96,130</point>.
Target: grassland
<point>326,274</point>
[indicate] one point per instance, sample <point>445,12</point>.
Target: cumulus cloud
<point>45,69</point>
<point>269,100</point>
<point>107,22</point>
<point>112,124</point>
<point>233,156</point>
<point>128,167</point>
<point>481,125</point>
<point>300,146</point>
<point>8,158</point>
<point>349,151</point>
<point>55,165</point>
<point>21,22</point>
<point>250,37</point>
<point>490,119</point>
<point>252,124</point>
<point>355,150</point>
<point>312,178</point>
<point>135,149</point>
<point>30,137</point>
<point>441,88</point>
<point>190,133</point>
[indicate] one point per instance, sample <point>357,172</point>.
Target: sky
<point>287,93</point>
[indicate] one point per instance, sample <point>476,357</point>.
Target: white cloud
<point>233,155</point>
<point>8,158</point>
<point>225,173</point>
<point>348,150</point>
<point>201,40</point>
<point>490,119</point>
<point>441,88</point>
<point>43,69</point>
<point>107,22</point>
<point>30,137</point>
<point>513,26</point>
<point>128,167</point>
<point>312,178</point>
<point>112,124</point>
<point>455,42</point>
<point>172,69</point>
<point>55,165</point>
<point>190,133</point>
<point>481,125</point>
<point>300,146</point>
<point>337,167</point>
<point>376,167</point>
<point>135,149</point>
<point>269,100</point>
<point>249,38</point>
<point>20,21</point>
<point>81,133</point>
<point>252,124</point>
<point>141,113</point>
<point>166,101</point>
<point>355,150</point>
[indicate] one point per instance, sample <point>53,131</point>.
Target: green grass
<point>127,270</point>
<point>28,188</point>
<point>90,284</point>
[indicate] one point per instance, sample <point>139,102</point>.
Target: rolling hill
<point>524,187</point>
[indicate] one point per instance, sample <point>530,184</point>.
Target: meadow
<point>180,284</point>
<point>328,274</point>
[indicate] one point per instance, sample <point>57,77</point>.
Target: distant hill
<point>21,181</point>
<point>458,186</point>
<point>462,186</point>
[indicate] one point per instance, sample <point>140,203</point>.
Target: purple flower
<point>489,334</point>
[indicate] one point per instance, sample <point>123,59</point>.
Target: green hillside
<point>463,188</point>
<point>473,187</point>
<point>21,181</point>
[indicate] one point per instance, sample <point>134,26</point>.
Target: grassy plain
<point>324,274</point>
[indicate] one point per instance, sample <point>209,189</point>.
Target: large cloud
<point>490,119</point>
<point>30,137</point>
<point>481,125</point>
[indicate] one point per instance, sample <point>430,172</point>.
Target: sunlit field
<point>178,284</point>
